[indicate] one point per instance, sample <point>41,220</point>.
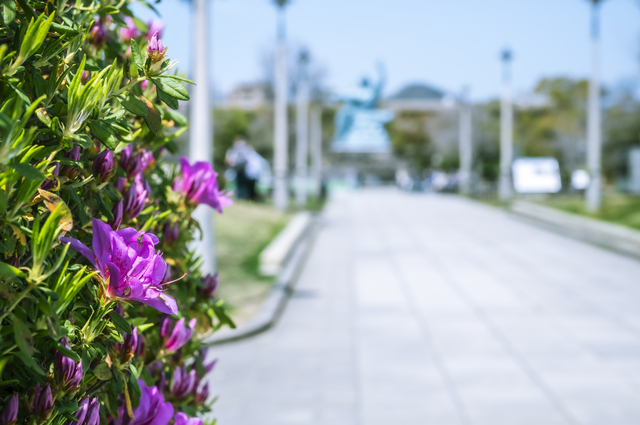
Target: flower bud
<point>41,403</point>
<point>136,197</point>
<point>171,232</point>
<point>98,34</point>
<point>93,413</point>
<point>67,372</point>
<point>183,382</point>
<point>179,335</point>
<point>81,413</point>
<point>155,50</point>
<point>210,285</point>
<point>10,411</point>
<point>104,167</point>
<point>117,211</point>
<point>74,155</point>
<point>202,395</point>
<point>133,164</point>
<point>52,182</point>
<point>127,349</point>
<point>86,76</point>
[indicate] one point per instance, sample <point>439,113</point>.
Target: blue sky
<point>447,43</point>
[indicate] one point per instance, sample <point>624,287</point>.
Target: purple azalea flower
<point>210,285</point>
<point>152,410</point>
<point>144,85</point>
<point>131,31</point>
<point>128,262</point>
<point>41,402</point>
<point>128,347</point>
<point>10,410</point>
<point>183,383</point>
<point>179,335</point>
<point>104,166</point>
<point>68,372</point>
<point>182,419</point>
<point>155,28</point>
<point>198,185</point>
<point>53,181</point>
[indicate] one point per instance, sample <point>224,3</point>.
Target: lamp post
<point>201,131</point>
<point>302,130</point>
<point>594,131</point>
<point>280,130</point>
<point>506,130</point>
<point>316,148</point>
<point>465,147</point>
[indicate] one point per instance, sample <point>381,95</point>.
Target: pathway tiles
<point>418,309</point>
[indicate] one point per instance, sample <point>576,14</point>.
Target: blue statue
<point>359,125</point>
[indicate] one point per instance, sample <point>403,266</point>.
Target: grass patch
<point>242,232</point>
<point>616,208</point>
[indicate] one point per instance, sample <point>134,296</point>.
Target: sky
<point>448,44</point>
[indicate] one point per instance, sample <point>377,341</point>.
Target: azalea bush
<point>103,307</point>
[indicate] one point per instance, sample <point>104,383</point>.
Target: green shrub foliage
<point>103,307</point>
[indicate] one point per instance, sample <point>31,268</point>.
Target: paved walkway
<point>426,309</point>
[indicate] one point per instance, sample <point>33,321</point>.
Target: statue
<point>359,125</point>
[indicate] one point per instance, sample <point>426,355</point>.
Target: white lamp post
<point>465,143</point>
<point>302,132</point>
<point>280,130</point>
<point>506,130</point>
<point>201,129</point>
<point>316,148</point>
<point>594,131</point>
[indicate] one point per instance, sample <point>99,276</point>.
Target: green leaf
<point>153,119</point>
<point>134,390</point>
<point>136,55</point>
<point>120,323</point>
<point>23,337</point>
<point>103,133</point>
<point>102,372</point>
<point>169,100</point>
<point>135,105</point>
<point>28,360</point>
<point>9,270</point>
<point>67,352</point>
<point>27,171</point>
<point>171,87</point>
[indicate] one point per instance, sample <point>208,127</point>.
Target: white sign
<point>536,175</point>
<point>580,179</point>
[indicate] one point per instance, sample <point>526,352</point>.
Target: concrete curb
<point>607,235</point>
<point>274,304</point>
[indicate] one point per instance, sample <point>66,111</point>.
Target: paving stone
<point>432,309</point>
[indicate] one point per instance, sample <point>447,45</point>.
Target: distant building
<point>249,96</point>
<point>419,97</point>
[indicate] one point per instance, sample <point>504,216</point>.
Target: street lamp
<point>201,129</point>
<point>506,130</point>
<point>594,135</point>
<point>465,142</point>
<point>302,130</point>
<point>280,130</point>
